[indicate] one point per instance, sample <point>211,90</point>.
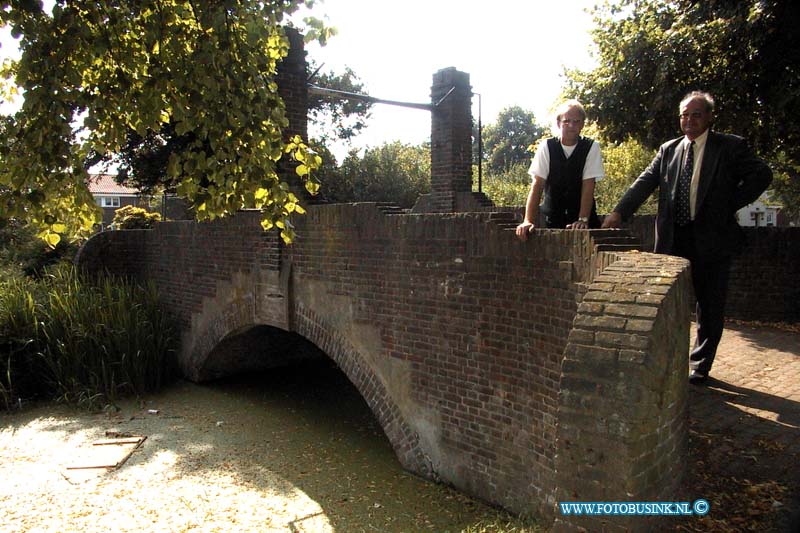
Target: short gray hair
<point>701,95</point>
<point>566,106</point>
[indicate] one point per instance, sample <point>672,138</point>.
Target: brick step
<point>505,220</point>
<point>482,200</point>
<point>604,247</point>
<point>613,240</point>
<point>621,239</point>
<point>390,209</point>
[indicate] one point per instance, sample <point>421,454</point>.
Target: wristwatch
<point>583,219</point>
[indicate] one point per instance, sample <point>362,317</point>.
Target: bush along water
<point>84,343</point>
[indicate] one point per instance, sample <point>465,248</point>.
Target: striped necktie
<point>682,209</point>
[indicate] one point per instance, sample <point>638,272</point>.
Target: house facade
<point>111,196</point>
<point>758,214</point>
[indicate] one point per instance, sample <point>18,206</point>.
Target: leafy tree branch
<point>92,72</point>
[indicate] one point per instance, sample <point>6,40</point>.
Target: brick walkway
<point>745,433</point>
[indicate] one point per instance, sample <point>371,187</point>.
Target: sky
<point>515,52</point>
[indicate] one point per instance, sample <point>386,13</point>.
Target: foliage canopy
<point>393,172</point>
<point>651,53</point>
<point>506,142</point>
<point>93,71</point>
<point>143,161</point>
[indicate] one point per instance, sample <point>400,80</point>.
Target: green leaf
<point>312,187</point>
<point>52,239</point>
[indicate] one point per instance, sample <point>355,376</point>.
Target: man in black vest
<point>565,170</point>
<point>703,178</point>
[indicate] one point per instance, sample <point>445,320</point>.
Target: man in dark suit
<point>703,178</point>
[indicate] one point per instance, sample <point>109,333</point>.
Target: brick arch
<point>403,439</point>
<point>233,312</point>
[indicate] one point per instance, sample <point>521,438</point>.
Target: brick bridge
<point>521,373</point>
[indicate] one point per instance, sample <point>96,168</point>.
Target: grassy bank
<point>64,339</point>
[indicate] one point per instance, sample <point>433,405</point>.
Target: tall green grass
<point>85,343</point>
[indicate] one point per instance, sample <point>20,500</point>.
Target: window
<point>108,201</point>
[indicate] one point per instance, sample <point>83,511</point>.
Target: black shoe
<point>697,378</point>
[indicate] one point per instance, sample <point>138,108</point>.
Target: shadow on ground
<point>744,444</point>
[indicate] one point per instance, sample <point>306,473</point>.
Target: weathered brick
<point>581,336</point>
<point>623,340</point>
<point>632,356</point>
<point>600,322</point>
<point>632,310</point>
<point>639,325</point>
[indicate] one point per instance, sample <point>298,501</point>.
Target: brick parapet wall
<point>764,278</point>
<point>622,421</point>
<point>429,297</point>
<point>763,284</point>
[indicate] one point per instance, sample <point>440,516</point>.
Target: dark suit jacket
<point>731,177</point>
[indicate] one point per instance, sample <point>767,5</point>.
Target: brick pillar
<point>291,80</point>
<point>451,138</point>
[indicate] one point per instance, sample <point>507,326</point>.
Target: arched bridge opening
<point>314,345</point>
<point>257,348</point>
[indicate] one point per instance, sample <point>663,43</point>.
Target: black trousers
<point>710,281</point>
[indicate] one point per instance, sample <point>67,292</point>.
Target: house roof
<point>105,184</point>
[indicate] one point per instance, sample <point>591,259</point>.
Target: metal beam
<point>321,91</point>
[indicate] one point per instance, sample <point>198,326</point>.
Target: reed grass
<point>84,343</point>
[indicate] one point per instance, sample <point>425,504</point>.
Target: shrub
<point>21,252</point>
<point>130,217</point>
<point>393,172</point>
<point>508,188</point>
<point>64,339</point>
<point>623,163</point>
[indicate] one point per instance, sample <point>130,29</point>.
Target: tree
<point>506,142</point>
<point>337,118</point>
<point>143,160</point>
<point>623,162</point>
<point>651,53</point>
<point>93,71</point>
<point>393,172</point>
